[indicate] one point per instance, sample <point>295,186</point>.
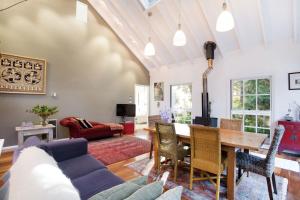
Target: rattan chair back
<point>231,124</point>
<point>205,148</point>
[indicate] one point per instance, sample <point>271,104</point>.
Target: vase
<point>44,120</point>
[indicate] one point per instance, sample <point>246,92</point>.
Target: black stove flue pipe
<point>209,48</point>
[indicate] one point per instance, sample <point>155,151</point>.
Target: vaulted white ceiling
<point>258,22</point>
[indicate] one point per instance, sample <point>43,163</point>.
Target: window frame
<point>255,112</point>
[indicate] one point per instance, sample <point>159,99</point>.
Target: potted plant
<point>43,112</point>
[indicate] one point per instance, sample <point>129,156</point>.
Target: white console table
<point>34,130</point>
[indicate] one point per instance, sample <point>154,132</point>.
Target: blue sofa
<point>87,174</point>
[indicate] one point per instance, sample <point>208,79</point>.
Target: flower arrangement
<point>165,115</point>
<point>43,112</point>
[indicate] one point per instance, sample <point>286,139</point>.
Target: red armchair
<point>99,130</point>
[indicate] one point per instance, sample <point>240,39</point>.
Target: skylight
<point>147,4</point>
<point>81,11</point>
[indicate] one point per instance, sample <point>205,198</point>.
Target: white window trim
<point>254,112</point>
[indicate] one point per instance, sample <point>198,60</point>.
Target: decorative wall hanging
<point>24,75</point>
<point>294,81</point>
<point>159,91</point>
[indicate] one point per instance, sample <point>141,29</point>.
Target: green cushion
<point>118,192</point>
<point>141,181</point>
<point>148,192</point>
<point>173,194</point>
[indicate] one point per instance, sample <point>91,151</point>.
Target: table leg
<point>20,138</point>
<point>231,173</point>
<point>50,135</point>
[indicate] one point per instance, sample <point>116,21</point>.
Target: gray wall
<point>89,68</point>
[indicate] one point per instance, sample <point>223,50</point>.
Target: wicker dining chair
<point>152,119</point>
<point>206,155</point>
<point>231,124</point>
<point>263,166</point>
<point>168,146</point>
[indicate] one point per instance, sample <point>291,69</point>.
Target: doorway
<point>142,105</point>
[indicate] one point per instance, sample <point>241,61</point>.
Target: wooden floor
<point>121,170</point>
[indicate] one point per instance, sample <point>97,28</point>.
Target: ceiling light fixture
<point>225,21</point>
<point>149,48</point>
<point>179,38</point>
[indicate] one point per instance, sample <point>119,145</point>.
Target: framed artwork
<point>159,91</point>
<point>23,75</point>
<point>294,81</point>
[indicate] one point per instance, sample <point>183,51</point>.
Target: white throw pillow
<point>36,176</point>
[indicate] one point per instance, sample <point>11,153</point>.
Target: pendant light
<point>225,21</point>
<point>149,49</point>
<point>179,38</point>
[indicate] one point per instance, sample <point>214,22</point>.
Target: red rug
<point>114,150</point>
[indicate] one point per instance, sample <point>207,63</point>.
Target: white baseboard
<point>9,148</point>
<point>14,147</point>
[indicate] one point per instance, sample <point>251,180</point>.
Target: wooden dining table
<point>230,141</point>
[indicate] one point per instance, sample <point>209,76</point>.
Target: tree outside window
<point>181,103</point>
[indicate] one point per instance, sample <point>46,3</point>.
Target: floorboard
<point>121,170</point>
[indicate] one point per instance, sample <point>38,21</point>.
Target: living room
<point>101,76</point>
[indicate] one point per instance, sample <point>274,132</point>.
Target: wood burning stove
<point>205,119</point>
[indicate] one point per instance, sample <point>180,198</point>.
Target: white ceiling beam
<point>236,27</point>
<point>295,20</point>
<point>127,19</point>
<point>186,22</point>
<point>262,22</point>
<point>165,11</point>
<point>162,13</point>
<point>158,29</point>
<point>211,27</point>
<point>140,22</point>
<point>106,14</point>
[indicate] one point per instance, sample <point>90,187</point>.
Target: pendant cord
<point>13,5</point>
<point>179,16</point>
<point>149,17</point>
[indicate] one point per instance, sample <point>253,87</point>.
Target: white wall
<point>276,61</point>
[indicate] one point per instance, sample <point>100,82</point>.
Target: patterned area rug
<point>253,187</point>
<point>114,150</point>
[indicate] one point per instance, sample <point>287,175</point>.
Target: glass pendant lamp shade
<point>179,38</point>
<point>149,49</point>
<point>225,21</point>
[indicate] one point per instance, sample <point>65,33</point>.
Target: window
<point>251,103</point>
<point>181,103</point>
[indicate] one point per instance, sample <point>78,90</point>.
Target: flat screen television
<point>126,110</point>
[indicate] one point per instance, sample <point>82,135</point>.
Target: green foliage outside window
<point>251,102</point>
<point>250,87</point>
<point>263,86</point>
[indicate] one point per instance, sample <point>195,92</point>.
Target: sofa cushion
<point>148,192</point>
<point>141,180</point>
<point>66,149</point>
<point>172,194</point>
<point>118,192</point>
<point>80,166</point>
<point>35,176</point>
<point>95,182</point>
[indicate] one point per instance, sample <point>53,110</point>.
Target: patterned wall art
<point>23,75</point>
